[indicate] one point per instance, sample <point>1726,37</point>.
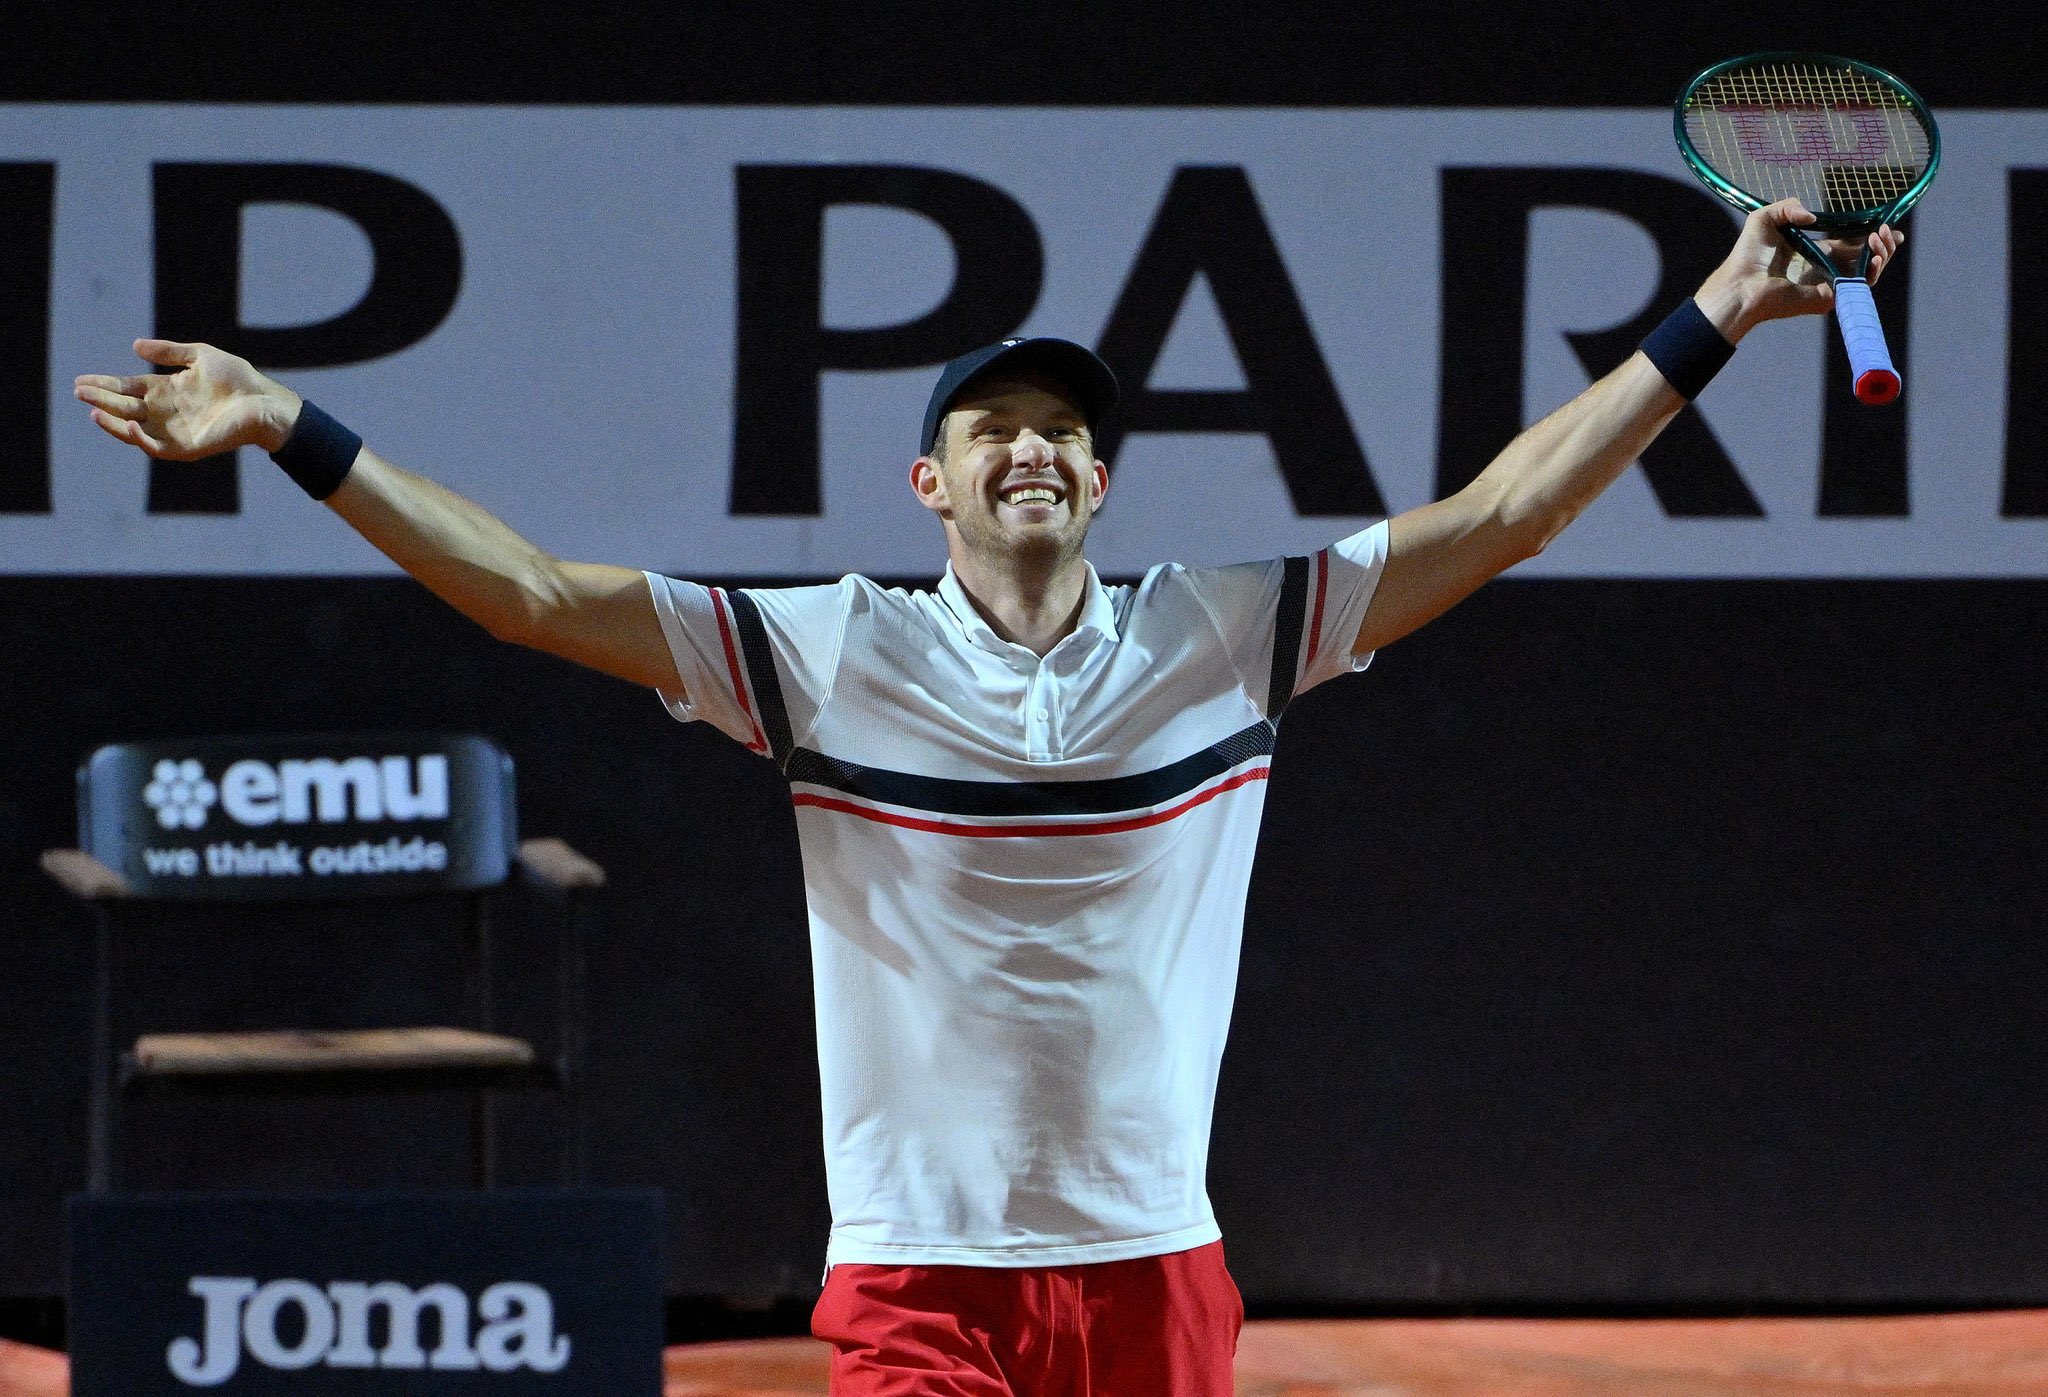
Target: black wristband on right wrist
<point>1687,350</point>
<point>318,453</point>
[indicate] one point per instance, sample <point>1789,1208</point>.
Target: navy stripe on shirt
<point>941,795</point>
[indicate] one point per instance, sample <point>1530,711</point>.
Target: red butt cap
<point>1877,387</point>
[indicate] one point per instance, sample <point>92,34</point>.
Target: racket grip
<point>1870,361</point>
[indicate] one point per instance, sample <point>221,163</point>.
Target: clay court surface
<point>1955,1355</point>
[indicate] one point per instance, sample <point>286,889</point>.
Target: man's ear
<point>1099,476</point>
<point>928,483</point>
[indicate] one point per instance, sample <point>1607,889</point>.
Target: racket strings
<point>1840,140</point>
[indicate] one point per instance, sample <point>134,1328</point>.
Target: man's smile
<point>1032,492</point>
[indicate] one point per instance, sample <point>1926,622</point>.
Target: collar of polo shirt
<point>1098,615</point>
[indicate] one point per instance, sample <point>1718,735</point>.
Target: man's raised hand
<point>1763,278</point>
<point>213,403</point>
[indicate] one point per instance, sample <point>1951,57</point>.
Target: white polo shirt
<point>1026,881</point>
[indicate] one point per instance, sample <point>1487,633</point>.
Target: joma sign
<point>512,1292</point>
<point>332,1326</point>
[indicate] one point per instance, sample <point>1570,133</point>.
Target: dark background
<point>1618,946</point>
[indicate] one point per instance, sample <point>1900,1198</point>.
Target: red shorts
<point>1155,1326</point>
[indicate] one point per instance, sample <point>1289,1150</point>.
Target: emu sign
<point>300,815</point>
<point>508,1292</point>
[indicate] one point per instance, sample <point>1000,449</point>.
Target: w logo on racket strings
<point>300,791</point>
<point>1857,136</point>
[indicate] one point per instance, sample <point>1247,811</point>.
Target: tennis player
<point>1027,804</point>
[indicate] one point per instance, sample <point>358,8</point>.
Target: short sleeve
<point>1290,623</point>
<point>757,664</point>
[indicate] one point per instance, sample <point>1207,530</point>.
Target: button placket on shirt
<point>1044,704</point>
<point>1041,704</point>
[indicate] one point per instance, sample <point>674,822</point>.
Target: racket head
<point>1852,142</point>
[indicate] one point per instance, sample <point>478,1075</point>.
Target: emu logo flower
<point>180,794</point>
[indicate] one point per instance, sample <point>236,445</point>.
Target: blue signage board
<point>299,815</point>
<point>508,1292</point>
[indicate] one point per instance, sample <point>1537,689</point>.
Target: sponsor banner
<point>700,340</point>
<point>298,816</point>
<point>506,1292</point>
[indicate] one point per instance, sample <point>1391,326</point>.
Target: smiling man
<point>1008,463</point>
<point>1027,804</point>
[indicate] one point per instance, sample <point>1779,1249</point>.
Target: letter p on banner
<point>784,344</point>
<point>416,274</point>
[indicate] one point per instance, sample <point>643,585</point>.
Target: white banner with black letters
<point>700,340</point>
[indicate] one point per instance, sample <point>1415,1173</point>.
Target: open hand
<point>1765,278</point>
<point>215,402</point>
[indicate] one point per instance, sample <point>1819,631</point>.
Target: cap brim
<point>1072,366</point>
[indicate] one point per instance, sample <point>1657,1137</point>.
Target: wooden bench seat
<point>301,1050</point>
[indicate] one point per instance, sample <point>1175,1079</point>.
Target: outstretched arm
<point>1439,554</point>
<point>593,614</point>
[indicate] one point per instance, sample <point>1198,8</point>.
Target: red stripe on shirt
<point>1315,624</point>
<point>969,831</point>
<point>732,667</point>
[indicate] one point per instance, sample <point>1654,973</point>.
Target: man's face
<point>1016,472</point>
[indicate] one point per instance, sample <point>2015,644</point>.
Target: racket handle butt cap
<point>1870,361</point>
<point>1877,387</point>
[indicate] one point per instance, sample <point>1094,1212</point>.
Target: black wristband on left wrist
<point>1687,350</point>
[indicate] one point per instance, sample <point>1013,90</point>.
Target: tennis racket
<point>1857,146</point>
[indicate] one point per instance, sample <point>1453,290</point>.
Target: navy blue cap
<point>1066,363</point>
